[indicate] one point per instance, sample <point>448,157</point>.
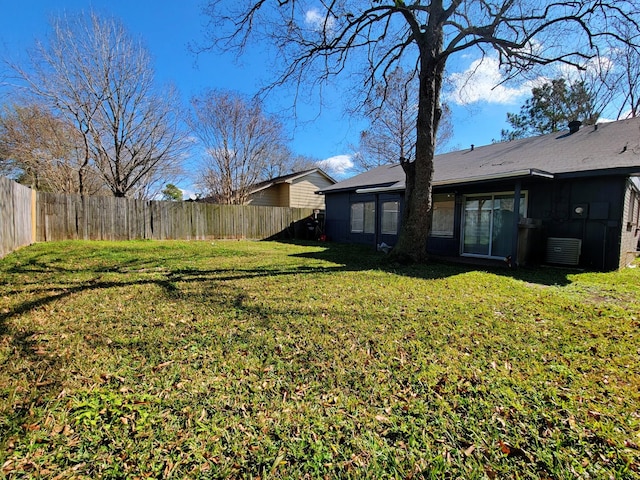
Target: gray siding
<point>630,228</point>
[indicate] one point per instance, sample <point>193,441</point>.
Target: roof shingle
<point>593,148</point>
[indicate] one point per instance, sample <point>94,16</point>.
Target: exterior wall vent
<point>563,251</point>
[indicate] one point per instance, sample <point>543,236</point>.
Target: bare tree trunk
<point>523,34</point>
<point>416,217</point>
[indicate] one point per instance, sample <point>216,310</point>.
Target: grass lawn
<point>273,360</point>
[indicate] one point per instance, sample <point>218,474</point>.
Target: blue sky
<point>168,27</point>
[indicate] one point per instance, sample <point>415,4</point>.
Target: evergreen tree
<point>551,107</point>
<point>171,193</point>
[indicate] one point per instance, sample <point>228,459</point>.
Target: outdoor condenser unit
<point>564,251</point>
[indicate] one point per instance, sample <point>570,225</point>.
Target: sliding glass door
<point>487,224</point>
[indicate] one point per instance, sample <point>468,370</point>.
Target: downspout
<point>516,221</point>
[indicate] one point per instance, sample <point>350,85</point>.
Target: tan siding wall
<point>303,191</point>
<point>298,194</point>
<point>270,197</point>
<point>284,195</point>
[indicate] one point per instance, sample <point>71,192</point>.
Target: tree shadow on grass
<point>362,257</point>
<point>335,258</point>
<point>116,273</point>
<point>45,370</point>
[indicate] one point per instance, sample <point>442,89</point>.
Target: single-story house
<point>565,198</point>
<point>294,190</point>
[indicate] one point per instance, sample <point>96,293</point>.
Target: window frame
<point>393,220</point>
<point>522,213</point>
<point>367,224</point>
<point>634,207</point>
<point>443,233</point>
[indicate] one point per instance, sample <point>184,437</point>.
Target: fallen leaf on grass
<point>7,466</point>
<point>511,451</point>
<point>106,377</point>
<point>630,444</point>
<point>162,365</point>
<point>490,473</point>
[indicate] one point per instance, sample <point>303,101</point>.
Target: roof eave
<point>530,172</point>
<point>392,188</point>
<point>450,182</point>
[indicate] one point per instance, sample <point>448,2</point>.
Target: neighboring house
<point>296,190</point>
<point>293,190</point>
<point>567,198</point>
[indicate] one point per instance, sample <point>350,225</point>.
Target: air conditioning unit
<point>563,251</point>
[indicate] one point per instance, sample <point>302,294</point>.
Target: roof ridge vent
<point>574,126</point>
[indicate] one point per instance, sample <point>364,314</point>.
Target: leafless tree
<point>92,73</point>
<point>299,163</point>
<point>392,110</point>
<point>624,71</point>
<point>282,161</point>
<point>318,41</point>
<point>45,151</point>
<point>239,140</point>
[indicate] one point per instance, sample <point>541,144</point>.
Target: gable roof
<point>289,178</point>
<point>604,147</point>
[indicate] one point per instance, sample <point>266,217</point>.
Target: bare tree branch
<point>367,40</point>
<point>94,74</point>
<point>241,144</point>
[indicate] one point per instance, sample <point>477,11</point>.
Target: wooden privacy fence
<point>72,217</point>
<point>27,216</point>
<point>17,207</point>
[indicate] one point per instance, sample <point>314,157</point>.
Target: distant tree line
<point>86,116</point>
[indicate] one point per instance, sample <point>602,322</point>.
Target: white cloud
<point>594,67</point>
<point>316,20</point>
<point>336,166</point>
<point>482,82</point>
<point>188,194</point>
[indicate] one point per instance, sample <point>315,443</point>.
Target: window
<point>390,212</point>
<point>488,224</point>
<point>357,217</point>
<point>443,214</point>
<point>363,217</point>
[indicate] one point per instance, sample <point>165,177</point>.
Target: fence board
<point>16,218</point>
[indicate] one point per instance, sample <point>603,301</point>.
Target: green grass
<point>271,360</point>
